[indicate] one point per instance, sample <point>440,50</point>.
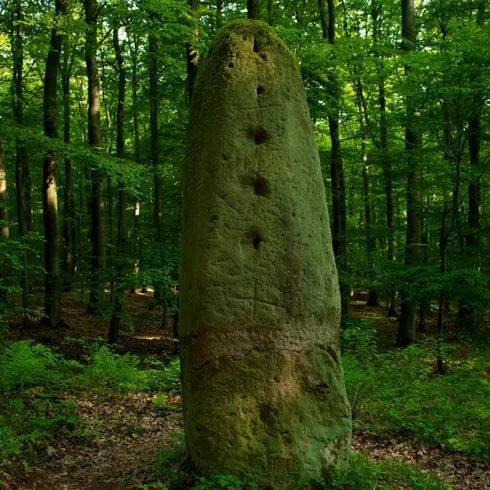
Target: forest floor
<point>123,433</point>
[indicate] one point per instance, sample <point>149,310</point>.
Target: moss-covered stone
<point>262,379</point>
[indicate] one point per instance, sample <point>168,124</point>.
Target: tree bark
<point>253,9</point>
<point>409,307</point>
<point>4,225</point>
<point>121,228</point>
<point>68,204</point>
<point>219,13</point>
<point>466,312</point>
<point>192,54</point>
<point>97,279</point>
<point>52,292</point>
<point>270,12</point>
<point>383,145</point>
<point>21,166</point>
<point>339,218</point>
<point>137,159</point>
<point>155,157</point>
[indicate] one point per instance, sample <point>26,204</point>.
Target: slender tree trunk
<point>52,296</point>
<point>155,157</point>
<point>97,279</point>
<point>383,145</point>
<point>219,13</point>
<point>121,228</point>
<point>253,9</point>
<point>137,159</point>
<point>466,312</point>
<point>409,308</point>
<point>68,222</point>
<point>370,239</point>
<point>192,54</point>
<point>21,171</point>
<point>270,12</point>
<point>327,17</point>
<point>442,296</point>
<point>4,225</point>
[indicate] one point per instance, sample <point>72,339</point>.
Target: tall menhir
<point>262,379</point>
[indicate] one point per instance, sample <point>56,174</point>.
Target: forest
<point>244,245</point>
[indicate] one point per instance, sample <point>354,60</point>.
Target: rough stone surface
<point>262,380</point>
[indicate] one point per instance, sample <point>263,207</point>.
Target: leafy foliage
<point>361,474</point>
<point>398,392</point>
<point>34,382</point>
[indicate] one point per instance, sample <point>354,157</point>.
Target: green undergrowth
<point>399,393</point>
<point>39,388</point>
<point>169,473</point>
<point>362,474</point>
<point>359,474</point>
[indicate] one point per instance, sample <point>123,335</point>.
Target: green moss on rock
<point>262,379</point>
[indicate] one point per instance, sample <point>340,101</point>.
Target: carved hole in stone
<point>256,46</point>
<point>260,90</point>
<point>259,135</point>
<point>253,238</point>
<point>261,187</point>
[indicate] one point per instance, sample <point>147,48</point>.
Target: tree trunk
<point>253,9</point>
<point>97,276</point>
<point>121,228</point>
<point>52,292</point>
<point>192,54</point>
<point>21,166</point>
<point>409,307</point>
<point>466,312</point>
<point>383,145</point>
<point>137,159</point>
<point>219,13</point>
<point>4,225</point>
<point>155,157</point>
<point>270,12</point>
<point>370,239</point>
<point>69,221</point>
<point>339,219</point>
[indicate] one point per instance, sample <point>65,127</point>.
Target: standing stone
<point>262,379</point>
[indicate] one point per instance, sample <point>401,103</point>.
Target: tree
<point>97,283</point>
<point>154,147</point>
<point>22,175</point>
<point>260,305</point>
<point>192,53</point>
<point>4,225</point>
<point>69,230</point>
<point>413,250</point>
<point>122,200</point>
<point>339,218</point>
<point>52,289</point>
<point>253,9</point>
